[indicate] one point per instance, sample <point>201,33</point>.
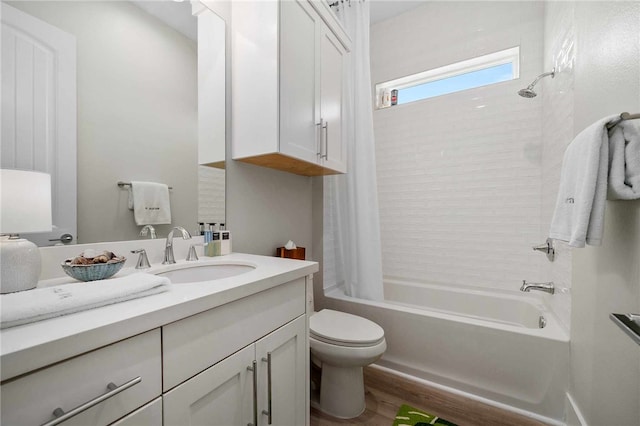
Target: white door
<point>333,150</point>
<point>39,111</point>
<point>286,350</point>
<point>299,88</point>
<point>222,395</point>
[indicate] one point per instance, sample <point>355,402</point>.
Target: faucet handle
<point>192,256</point>
<point>547,248</point>
<point>143,260</point>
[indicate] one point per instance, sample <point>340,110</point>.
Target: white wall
<point>605,363</point>
<point>137,120</point>
<point>266,208</point>
<point>459,176</point>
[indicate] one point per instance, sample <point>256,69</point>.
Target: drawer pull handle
<point>61,416</point>
<point>254,368</point>
<point>268,412</point>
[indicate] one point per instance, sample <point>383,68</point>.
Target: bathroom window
<point>480,71</point>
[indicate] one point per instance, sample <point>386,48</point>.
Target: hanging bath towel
<point>624,161</point>
<point>151,205</point>
<point>579,213</point>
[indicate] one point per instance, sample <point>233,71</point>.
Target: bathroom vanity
<point>231,351</point>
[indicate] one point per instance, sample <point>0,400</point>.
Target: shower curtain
<point>352,250</point>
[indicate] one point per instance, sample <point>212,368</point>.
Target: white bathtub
<point>486,344</point>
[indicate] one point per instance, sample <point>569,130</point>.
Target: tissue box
<point>296,253</point>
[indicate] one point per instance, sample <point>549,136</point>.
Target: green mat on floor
<point>409,416</point>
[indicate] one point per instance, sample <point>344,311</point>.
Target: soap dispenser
<point>225,242</point>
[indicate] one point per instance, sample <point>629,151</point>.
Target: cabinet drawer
<point>31,399</point>
<point>149,415</point>
<point>193,344</point>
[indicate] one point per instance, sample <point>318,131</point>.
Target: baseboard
<point>504,407</point>
<point>574,416</point>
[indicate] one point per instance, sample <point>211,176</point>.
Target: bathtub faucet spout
<point>546,287</point>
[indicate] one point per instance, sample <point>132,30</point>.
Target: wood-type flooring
<point>386,392</point>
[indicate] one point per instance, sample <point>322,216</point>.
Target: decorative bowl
<point>97,271</point>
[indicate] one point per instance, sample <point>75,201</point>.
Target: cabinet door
<point>220,395</point>
<point>286,349</point>
<point>333,152</point>
<point>299,73</point>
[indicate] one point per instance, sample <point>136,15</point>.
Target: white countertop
<point>31,346</point>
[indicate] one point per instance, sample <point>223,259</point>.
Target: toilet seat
<point>342,329</point>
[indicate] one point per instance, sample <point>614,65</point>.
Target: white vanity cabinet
<point>150,414</point>
<point>289,61</point>
<point>206,353</point>
<point>32,399</point>
<point>220,395</point>
<point>282,365</point>
<point>222,364</point>
<point>262,384</point>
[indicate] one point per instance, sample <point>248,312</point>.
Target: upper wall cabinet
<point>211,86</point>
<point>289,60</point>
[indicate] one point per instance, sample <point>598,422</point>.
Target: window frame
<point>502,57</point>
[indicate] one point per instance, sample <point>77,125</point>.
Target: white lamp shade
<point>26,201</point>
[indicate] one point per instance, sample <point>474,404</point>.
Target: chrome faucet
<point>146,229</point>
<point>168,248</point>
<point>546,287</point>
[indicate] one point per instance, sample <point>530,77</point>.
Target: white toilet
<point>341,344</point>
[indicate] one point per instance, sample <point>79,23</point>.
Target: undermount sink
<point>205,273</point>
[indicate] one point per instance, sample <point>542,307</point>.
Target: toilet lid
<point>341,327</point>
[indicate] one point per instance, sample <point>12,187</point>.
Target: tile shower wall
<point>557,133</point>
<point>211,191</point>
<point>459,176</point>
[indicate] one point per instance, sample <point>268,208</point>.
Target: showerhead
<point>528,92</point>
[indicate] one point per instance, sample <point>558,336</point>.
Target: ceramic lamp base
<point>19,265</point>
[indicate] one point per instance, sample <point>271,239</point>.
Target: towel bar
<point>624,116</point>
<point>128,184</point>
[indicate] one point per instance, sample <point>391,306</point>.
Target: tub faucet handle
<point>547,248</point>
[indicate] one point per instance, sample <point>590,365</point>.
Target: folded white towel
<point>579,213</point>
<point>150,203</point>
<point>43,303</point>
<point>624,161</point>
